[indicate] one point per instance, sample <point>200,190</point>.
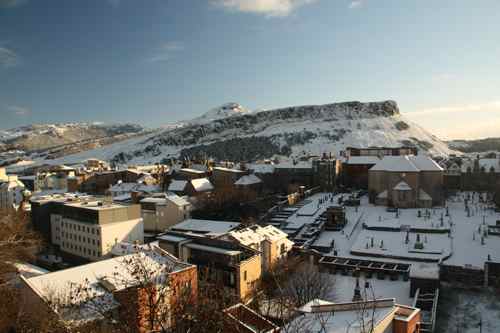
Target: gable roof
<point>101,278</point>
<point>402,186</point>
<point>202,185</point>
<point>406,163</point>
<point>248,180</point>
<point>177,185</point>
<point>256,234</point>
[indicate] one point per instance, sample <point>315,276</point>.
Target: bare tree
<point>18,243</point>
<point>366,309</point>
<point>138,296</point>
<point>290,285</point>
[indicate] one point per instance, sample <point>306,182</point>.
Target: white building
<point>269,240</point>
<point>160,213</point>
<point>11,190</point>
<point>89,229</point>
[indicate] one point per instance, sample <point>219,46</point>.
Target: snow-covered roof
<point>171,238</point>
<point>406,163</point>
<point>174,198</point>
<point>424,271</point>
<point>261,168</point>
<point>248,180</point>
<point>383,195</point>
<point>228,169</point>
<point>123,187</point>
<point>347,316</point>
<point>202,185</point>
<point>177,185</point>
<point>101,278</point>
<point>355,160</point>
<point>425,163</point>
<point>207,248</point>
<point>29,270</point>
<point>256,234</point>
<point>189,170</point>
<point>205,226</point>
<point>402,186</point>
<point>130,187</point>
<point>292,165</point>
<point>123,248</point>
<point>422,195</point>
<point>158,201</point>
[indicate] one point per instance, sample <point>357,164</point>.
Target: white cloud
<point>166,51</point>
<point>8,58</point>
<point>356,4</point>
<point>272,8</point>
<point>467,121</point>
<point>467,108</point>
<point>19,110</point>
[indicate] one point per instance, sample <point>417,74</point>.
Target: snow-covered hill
<point>228,133</point>
<point>36,137</point>
<point>224,111</point>
<point>55,140</point>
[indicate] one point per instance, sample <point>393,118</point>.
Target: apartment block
<point>160,213</point>
<point>85,228</point>
<point>235,267</point>
<point>272,243</point>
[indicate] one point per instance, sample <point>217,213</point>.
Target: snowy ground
<point>410,217</point>
<point>466,243</point>
<point>393,244</point>
<point>343,289</point>
<point>461,311</point>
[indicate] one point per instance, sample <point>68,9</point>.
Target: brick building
<point>99,182</point>
<point>357,162</point>
<point>90,296</point>
<point>406,182</point>
<point>236,267</point>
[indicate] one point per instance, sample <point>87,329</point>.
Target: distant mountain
<point>234,133</point>
<point>224,111</point>
<point>476,146</point>
<point>57,140</point>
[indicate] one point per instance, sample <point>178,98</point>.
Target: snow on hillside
<point>232,132</point>
<point>221,112</point>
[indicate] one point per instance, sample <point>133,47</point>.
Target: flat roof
<point>205,226</point>
<point>213,249</point>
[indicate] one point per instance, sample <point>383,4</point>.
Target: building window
<point>244,275</point>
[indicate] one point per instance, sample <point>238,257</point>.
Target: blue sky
<point>158,61</point>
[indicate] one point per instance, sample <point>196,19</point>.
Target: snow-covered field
<point>343,289</point>
<point>466,243</point>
